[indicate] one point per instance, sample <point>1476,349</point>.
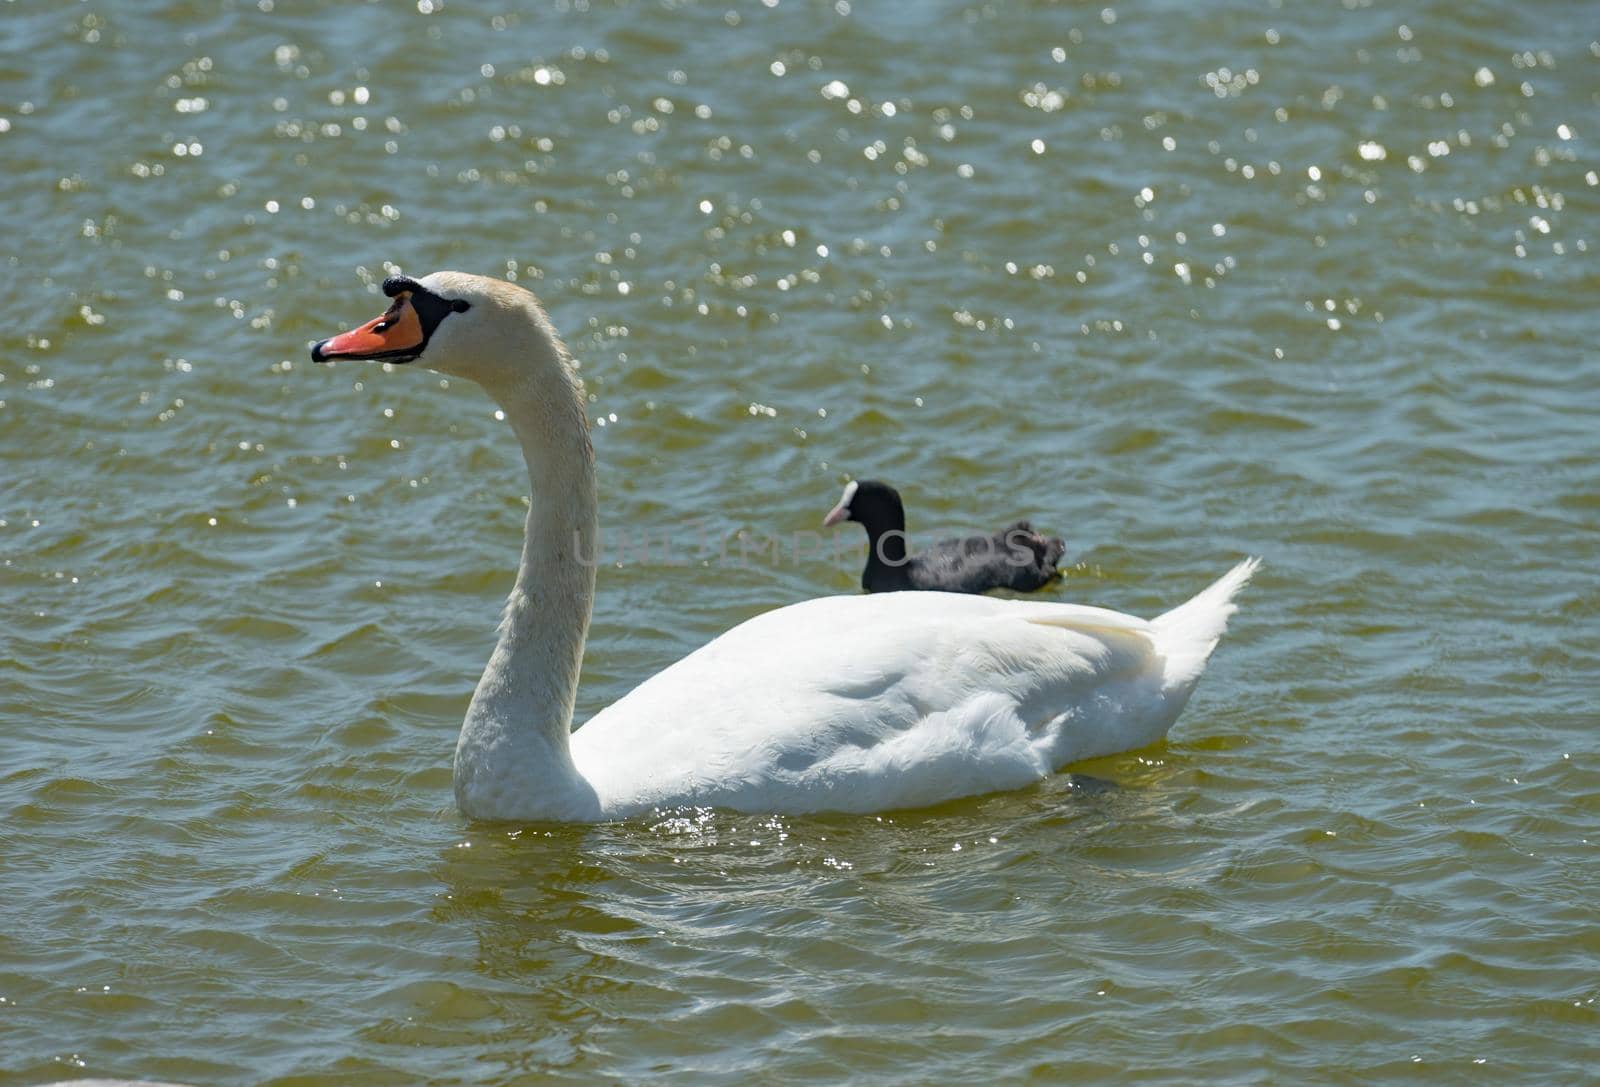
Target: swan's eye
<point>393,315</point>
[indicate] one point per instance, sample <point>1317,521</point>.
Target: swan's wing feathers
<point>1086,617</point>
<point>867,703</point>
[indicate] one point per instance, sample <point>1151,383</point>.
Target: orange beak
<point>395,336</point>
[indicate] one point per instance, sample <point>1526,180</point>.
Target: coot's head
<point>871,503</point>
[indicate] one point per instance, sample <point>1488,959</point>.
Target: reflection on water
<point>706,931</point>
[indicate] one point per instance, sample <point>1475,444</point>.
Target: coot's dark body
<point>1015,558</point>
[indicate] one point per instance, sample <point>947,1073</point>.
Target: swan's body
<point>858,703</point>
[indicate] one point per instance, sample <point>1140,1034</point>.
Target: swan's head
<point>464,325</point>
<point>871,503</point>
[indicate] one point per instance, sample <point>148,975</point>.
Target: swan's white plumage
<point>859,703</point>
<point>866,703</point>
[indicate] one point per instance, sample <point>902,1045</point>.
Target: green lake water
<point>1179,281</point>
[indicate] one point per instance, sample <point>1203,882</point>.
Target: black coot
<point>1016,557</point>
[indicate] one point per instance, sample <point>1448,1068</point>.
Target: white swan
<point>849,703</point>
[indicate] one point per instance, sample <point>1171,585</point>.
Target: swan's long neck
<point>513,754</point>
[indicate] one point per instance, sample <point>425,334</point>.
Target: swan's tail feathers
<point>1188,633</point>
